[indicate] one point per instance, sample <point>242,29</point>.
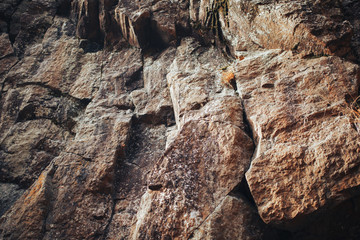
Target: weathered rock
<point>307,147</point>
<point>9,194</point>
<point>153,101</point>
<point>27,148</point>
<point>122,120</point>
<point>144,146</point>
<point>29,23</point>
<point>233,218</point>
<point>38,115</point>
<point>7,56</point>
<point>86,193</point>
<point>309,28</point>
<point>5,65</point>
<point>190,179</point>
<point>154,24</point>
<point>350,9</point>
<point>194,78</point>
<point>146,142</point>
<point>5,46</point>
<point>28,216</point>
<point>82,179</point>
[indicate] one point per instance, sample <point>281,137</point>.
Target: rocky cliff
<point>182,119</point>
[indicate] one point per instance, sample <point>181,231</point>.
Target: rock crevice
<point>199,119</point>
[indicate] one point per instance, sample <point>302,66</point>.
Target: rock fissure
<point>122,121</point>
<point>49,198</point>
<point>5,79</point>
<point>82,157</point>
<point>108,224</point>
<point>56,92</point>
<point>191,234</point>
<point>12,39</point>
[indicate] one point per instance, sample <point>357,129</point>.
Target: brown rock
<point>307,146</point>
<point>9,194</point>
<point>29,146</point>
<point>145,145</point>
<point>30,211</point>
<point>309,28</point>
<point>233,218</point>
<point>147,138</point>
<point>87,15</point>
<point>29,22</point>
<point>350,9</point>
<point>192,178</point>
<point>193,79</point>
<point>205,161</point>
<point>153,101</point>
<point>5,65</point>
<point>5,46</point>
<point>134,28</point>
<point>120,121</point>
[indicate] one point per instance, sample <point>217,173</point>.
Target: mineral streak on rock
<point>182,119</point>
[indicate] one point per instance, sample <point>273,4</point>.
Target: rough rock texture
<point>207,158</point>
<point>234,219</point>
<point>307,145</point>
<point>200,119</point>
<point>307,27</point>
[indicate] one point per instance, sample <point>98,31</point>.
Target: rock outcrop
<point>200,119</point>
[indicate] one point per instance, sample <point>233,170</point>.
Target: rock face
<point>292,158</point>
<point>200,119</point>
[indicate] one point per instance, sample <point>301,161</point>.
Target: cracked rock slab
<point>205,162</point>
<point>234,218</point>
<point>208,155</point>
<point>307,155</point>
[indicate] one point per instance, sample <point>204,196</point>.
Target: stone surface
<point>191,180</point>
<point>191,177</point>
<point>309,28</point>
<point>5,46</point>
<point>152,23</point>
<point>307,146</point>
<point>28,216</point>
<point>234,218</point>
<point>200,119</point>
<point>9,194</point>
<point>350,9</point>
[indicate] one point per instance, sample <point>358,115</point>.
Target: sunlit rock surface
<point>199,119</point>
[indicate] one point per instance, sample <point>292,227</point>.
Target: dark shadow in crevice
<point>26,114</point>
<point>338,222</point>
<point>152,42</point>
<point>63,114</point>
<point>156,41</point>
<point>155,187</point>
<point>135,81</point>
<point>182,32</point>
<point>64,8</point>
<point>164,116</point>
<point>247,126</point>
<point>242,190</point>
<point>329,223</point>
<point>350,9</point>
<point>90,46</point>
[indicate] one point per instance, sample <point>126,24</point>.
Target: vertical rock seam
<point>184,119</point>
